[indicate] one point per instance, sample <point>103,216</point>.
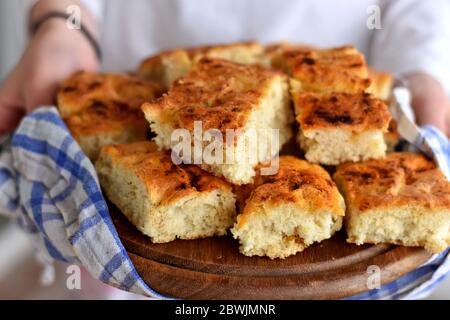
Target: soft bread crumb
<point>339,127</point>
<point>104,108</point>
<point>284,230</point>
<point>225,95</point>
<point>412,226</point>
<point>402,199</point>
<point>164,201</point>
<point>289,211</point>
<point>335,146</point>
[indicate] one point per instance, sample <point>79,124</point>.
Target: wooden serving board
<point>213,268</point>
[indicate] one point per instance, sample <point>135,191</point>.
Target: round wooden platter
<point>213,268</point>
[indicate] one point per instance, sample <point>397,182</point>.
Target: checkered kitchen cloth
<point>51,188</point>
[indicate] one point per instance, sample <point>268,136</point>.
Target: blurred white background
<point>12,34</point>
<point>19,270</point>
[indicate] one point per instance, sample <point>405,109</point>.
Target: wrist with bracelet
<point>35,25</point>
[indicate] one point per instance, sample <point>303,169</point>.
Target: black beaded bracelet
<point>35,25</point>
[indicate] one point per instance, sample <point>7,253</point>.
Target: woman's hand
<point>52,54</point>
<point>429,101</point>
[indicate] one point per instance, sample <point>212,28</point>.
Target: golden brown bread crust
<point>308,185</point>
<point>357,111</point>
<point>103,116</point>
<point>327,70</point>
<point>285,46</point>
<point>392,137</point>
<point>250,48</point>
<point>220,93</point>
<point>380,83</point>
<point>168,66</point>
<point>82,88</point>
<point>274,54</point>
<point>399,179</point>
<point>196,53</point>
<point>79,90</point>
<point>165,181</point>
<point>101,109</point>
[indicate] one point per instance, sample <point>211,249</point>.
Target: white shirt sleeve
<point>415,36</point>
<point>96,7</point>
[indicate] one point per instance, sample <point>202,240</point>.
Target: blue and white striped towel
<point>51,188</point>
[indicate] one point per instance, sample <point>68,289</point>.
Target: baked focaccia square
<point>101,109</point>
<point>106,122</point>
<point>274,54</point>
<point>402,199</point>
<point>381,87</point>
<point>246,100</point>
<point>82,88</point>
<point>168,66</point>
<point>162,200</point>
<point>289,211</point>
<point>341,69</point>
<point>339,127</point>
